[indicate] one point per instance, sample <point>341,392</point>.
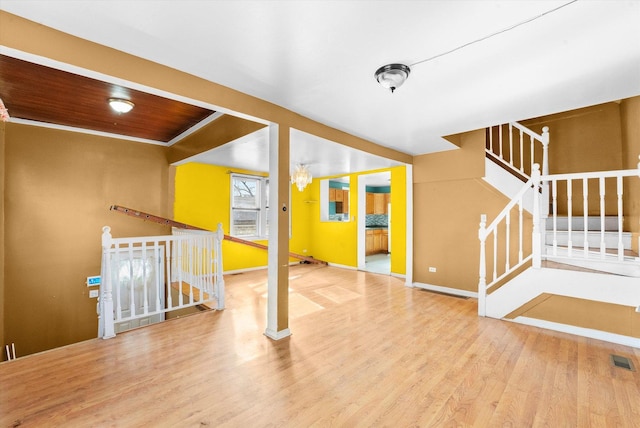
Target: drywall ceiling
<point>317,58</point>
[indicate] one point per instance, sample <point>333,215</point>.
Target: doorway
<point>374,229</point>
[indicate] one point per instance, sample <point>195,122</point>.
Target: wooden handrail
<point>167,222</point>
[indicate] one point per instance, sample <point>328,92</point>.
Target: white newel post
<point>536,238</point>
<point>545,171</point>
<point>106,297</point>
<point>219,276</point>
<point>482,283</point>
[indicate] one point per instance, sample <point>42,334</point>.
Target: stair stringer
<point>505,182</point>
<point>620,290</point>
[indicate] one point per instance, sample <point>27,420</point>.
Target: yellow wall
<point>202,199</point>
<point>399,219</point>
<point>59,187</point>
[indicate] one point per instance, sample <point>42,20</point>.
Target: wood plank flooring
<point>365,351</point>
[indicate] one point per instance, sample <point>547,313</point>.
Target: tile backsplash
<point>377,220</point>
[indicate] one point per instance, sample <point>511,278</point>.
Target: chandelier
<point>301,176</point>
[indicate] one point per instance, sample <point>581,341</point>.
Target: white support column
<point>106,327</point>
<point>409,237</point>
<point>278,258</point>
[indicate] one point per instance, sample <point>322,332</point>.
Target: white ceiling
<point>317,58</point>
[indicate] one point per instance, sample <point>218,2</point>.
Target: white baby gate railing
<point>145,277</point>
<point>499,263</point>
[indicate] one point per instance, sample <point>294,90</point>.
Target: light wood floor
<point>365,351</point>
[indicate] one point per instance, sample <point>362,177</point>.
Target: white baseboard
<point>398,275</point>
<point>579,331</point>
<point>343,266</point>
<point>231,272</point>
<point>277,335</point>
<point>454,291</point>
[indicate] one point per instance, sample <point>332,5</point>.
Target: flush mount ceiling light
<point>301,176</point>
<point>120,105</point>
<point>392,76</point>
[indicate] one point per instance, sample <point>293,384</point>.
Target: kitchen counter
<point>376,227</point>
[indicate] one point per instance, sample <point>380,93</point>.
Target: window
<point>249,206</point>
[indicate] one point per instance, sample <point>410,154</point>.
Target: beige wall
<point>587,139</point>
<point>449,197</point>
<point>630,122</point>
<point>30,37</point>
<point>59,187</point>
<point>2,294</point>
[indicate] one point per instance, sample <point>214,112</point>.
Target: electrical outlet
<point>93,293</point>
<point>432,269</point>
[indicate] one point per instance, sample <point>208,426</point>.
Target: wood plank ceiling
<point>39,93</point>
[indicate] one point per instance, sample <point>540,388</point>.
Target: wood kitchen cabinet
<point>379,204</point>
<point>376,241</point>
<point>332,194</point>
<point>345,201</point>
<point>369,201</point>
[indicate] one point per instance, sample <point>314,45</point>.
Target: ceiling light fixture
<point>392,76</point>
<point>120,105</point>
<point>301,176</point>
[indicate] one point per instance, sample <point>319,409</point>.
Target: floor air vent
<point>622,362</point>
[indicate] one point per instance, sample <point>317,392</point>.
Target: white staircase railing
<point>142,278</point>
<point>593,223</point>
<point>499,263</point>
<point>503,248</point>
<point>518,150</point>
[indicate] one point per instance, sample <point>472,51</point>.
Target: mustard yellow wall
<point>2,298</point>
<point>58,190</point>
<point>630,123</point>
<point>449,197</point>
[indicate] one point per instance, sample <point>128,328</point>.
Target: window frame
<point>262,209</point>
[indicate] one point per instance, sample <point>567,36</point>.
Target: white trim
<point>215,116</point>
<point>579,331</point>
<point>440,289</point>
<point>277,335</point>
<point>236,271</point>
<point>342,266</point>
<point>84,131</point>
<point>401,276</point>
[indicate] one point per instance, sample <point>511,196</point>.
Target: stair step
<point>577,223</point>
<point>593,238</point>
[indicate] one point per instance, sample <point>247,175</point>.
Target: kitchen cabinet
<point>380,201</point>
<point>332,194</point>
<point>377,203</point>
<point>369,202</point>
<point>345,201</point>
<point>376,241</point>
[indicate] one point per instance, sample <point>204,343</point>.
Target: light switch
<point>93,293</point>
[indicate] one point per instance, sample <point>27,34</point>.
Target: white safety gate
<point>145,277</point>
